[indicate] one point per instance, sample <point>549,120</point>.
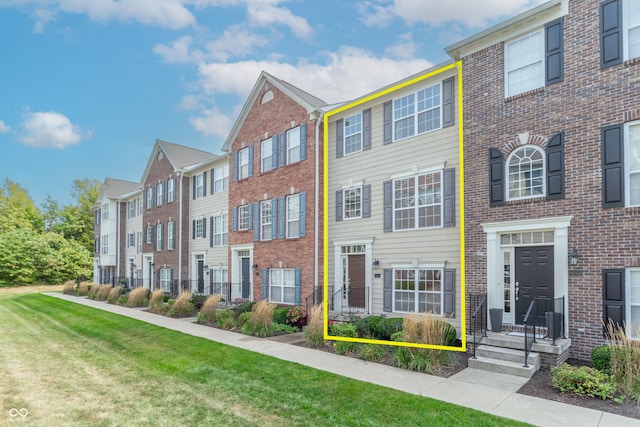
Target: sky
<point>87,86</point>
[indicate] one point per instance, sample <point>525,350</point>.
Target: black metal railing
<point>349,300</point>
<point>314,298</point>
<point>550,312</point>
<point>478,303</point>
<point>128,282</point>
<point>529,339</point>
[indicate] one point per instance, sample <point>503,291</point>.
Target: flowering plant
<point>295,314</point>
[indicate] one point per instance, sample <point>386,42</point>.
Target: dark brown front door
<point>356,275</point>
<point>534,278</point>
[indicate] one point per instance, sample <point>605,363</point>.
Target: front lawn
<point>68,364</point>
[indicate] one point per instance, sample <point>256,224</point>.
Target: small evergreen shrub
<point>244,307</point>
<point>225,319</point>
<point>363,327</point>
<point>314,332</point>
<point>344,330</point>
<point>198,301</point>
<point>138,297</point>
<point>243,319</point>
<point>583,380</point>
<point>280,327</point>
<point>280,315</point>
<point>123,299</point>
<point>601,358</point>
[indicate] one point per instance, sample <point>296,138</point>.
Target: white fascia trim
<point>353,242</point>
<point>548,223</point>
<point>417,170</point>
<point>352,184</point>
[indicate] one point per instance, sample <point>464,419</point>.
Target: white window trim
<point>415,113</point>
<point>171,190</point>
<point>627,163</point>
<point>344,203</point>
<point>170,231</point>
<point>245,209</point>
<point>221,179</point>
<point>268,143</point>
<point>104,245</point>
<point>159,194</point>
<point>541,56</point>
<point>199,231</point>
<point>223,218</point>
<point>631,328</point>
<point>199,186</point>
<point>290,221</point>
<point>159,233</point>
<point>149,197</point>
<point>140,205</point>
<point>165,279</point>
<point>543,176</point>
<point>263,223</point>
<point>282,285</point>
<point>416,206</point>
<point>139,242</point>
<point>416,292</point>
<point>625,26</point>
<point>243,162</point>
<point>105,211</point>
<point>344,142</point>
<point>290,147</point>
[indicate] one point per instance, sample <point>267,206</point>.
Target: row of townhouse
<point>510,173</point>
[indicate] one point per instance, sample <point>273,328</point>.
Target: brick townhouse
<point>552,166</point>
<point>274,194</point>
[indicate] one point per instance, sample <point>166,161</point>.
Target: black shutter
<point>204,228</point>
<point>339,205</point>
<point>339,138</point>
<point>449,197</point>
<point>366,129</point>
<point>256,221</point>
<point>554,51</point>
<point>212,183</point>
<point>236,165</point>
<point>496,177</point>
<point>234,219</point>
<point>387,205</point>
<point>449,290</point>
<point>610,33</point>
<point>612,167</point>
<point>387,293</point>
<point>194,179</point>
<point>387,123</point>
<point>251,160</point>
<point>366,201</point>
<point>303,141</point>
<point>193,231</point>
<point>555,167</point>
<point>282,155</point>
<point>211,242</point>
<point>613,297</point>
<point>448,103</point>
<point>204,183</point>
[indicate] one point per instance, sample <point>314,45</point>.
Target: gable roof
<point>114,188</point>
<point>180,157</point>
<point>305,99</point>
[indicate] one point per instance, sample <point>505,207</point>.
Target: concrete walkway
<point>488,392</point>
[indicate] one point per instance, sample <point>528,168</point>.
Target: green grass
<point>72,365</point>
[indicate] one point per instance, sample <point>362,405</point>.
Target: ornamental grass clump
<point>69,287</point>
<point>83,289</point>
<point>259,324</point>
<point>182,306</point>
<point>625,360</point>
<point>102,293</point>
<point>424,329</point>
<point>314,332</point>
<point>156,302</point>
<point>114,294</point>
<point>138,297</point>
<point>208,310</point>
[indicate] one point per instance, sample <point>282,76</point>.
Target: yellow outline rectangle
<point>463,325</point>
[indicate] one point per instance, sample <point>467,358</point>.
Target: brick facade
<point>589,98</point>
<point>265,120</point>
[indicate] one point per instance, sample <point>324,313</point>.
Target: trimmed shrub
<point>314,332</point>
<point>225,319</point>
<point>69,287</point>
<point>243,319</point>
<point>123,299</point>
<point>287,329</point>
<point>583,380</point>
<point>344,330</point>
<point>280,315</point>
<point>114,294</point>
<point>198,301</point>
<point>245,307</point>
<point>601,358</point>
<point>182,306</point>
<point>138,297</point>
<point>208,310</point>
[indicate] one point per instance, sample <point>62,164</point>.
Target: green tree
<point>17,210</point>
<point>76,220</point>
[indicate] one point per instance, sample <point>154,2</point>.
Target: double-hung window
<point>199,228</point>
<point>171,190</point>
<point>221,178</point>
<point>219,280</point>
<point>139,241</point>
<point>352,203</point>
<point>633,302</point>
<point>293,145</point>
<point>165,279</point>
<point>171,228</point>
<point>282,282</point>
<point>417,201</point>
<point>139,206</point>
<point>131,240</point>
<point>293,216</point>
<point>132,208</point>
<point>417,290</point>
<point>353,134</point>
<point>104,241</point>
<point>105,211</point>
<point>266,220</point>
<point>220,230</point>
<point>266,154</point>
<point>244,163</point>
<point>243,217</point>
<point>524,63</point>
<point>159,237</point>
<point>149,198</point>
<point>632,163</point>
<point>199,188</point>
<point>631,19</point>
<point>418,112</point>
<point>149,235</point>
<point>159,194</point>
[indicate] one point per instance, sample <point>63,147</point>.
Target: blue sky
<point>86,86</point>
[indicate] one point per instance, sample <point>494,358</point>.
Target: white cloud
<point>236,41</point>
<point>42,18</point>
<point>405,48</point>
<point>4,128</point>
<point>179,51</point>
<point>360,72</point>
<point>212,122</point>
<point>266,13</point>
<point>52,130</point>
<point>435,12</point>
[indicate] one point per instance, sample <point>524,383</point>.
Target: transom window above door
<point>525,173</point>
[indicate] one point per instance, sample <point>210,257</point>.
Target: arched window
<point>525,173</point>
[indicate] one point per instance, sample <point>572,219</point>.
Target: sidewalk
<point>488,392</point>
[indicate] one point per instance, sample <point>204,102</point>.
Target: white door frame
<point>338,267</point>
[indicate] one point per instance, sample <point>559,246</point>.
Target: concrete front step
<point>508,355</point>
<point>502,366</point>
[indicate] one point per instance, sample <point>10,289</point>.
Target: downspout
<point>180,174</point>
<point>317,210</point>
<point>118,251</point>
